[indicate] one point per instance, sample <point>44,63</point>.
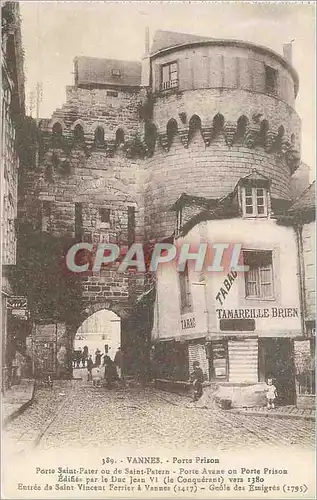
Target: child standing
<point>271,394</point>
<point>90,365</point>
<point>197,378</point>
<point>97,378</point>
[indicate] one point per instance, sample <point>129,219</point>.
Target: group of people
<point>101,363</point>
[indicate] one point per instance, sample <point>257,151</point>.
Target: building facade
<point>199,142</point>
<point>13,306</point>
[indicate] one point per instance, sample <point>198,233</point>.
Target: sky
<point>55,32</point>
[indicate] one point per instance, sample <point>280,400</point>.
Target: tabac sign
<point>17,303</point>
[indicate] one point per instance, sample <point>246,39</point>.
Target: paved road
<point>74,414</point>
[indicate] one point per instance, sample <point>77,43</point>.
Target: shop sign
<point>188,323</point>
<point>17,303</point>
<point>20,313</point>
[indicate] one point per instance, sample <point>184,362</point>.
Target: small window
<point>169,76</point>
<point>259,278</point>
<point>186,297</point>
<point>116,72</point>
<point>255,201</point>
<point>104,214</point>
<point>270,80</point>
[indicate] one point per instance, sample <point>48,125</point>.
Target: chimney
<point>287,52</point>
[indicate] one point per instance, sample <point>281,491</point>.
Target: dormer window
<point>116,72</point>
<point>254,201</point>
<point>169,76</point>
<point>254,195</point>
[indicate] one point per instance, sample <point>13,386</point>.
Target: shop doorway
<point>276,360</point>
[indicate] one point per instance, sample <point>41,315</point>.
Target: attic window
<point>116,72</point>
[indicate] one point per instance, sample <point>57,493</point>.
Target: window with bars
<point>259,278</point>
<point>169,76</point>
<point>254,201</point>
<point>185,293</point>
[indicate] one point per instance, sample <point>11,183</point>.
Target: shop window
<point>259,278</point>
<point>169,76</point>
<point>271,80</point>
<point>78,221</point>
<point>254,201</point>
<point>104,214</point>
<point>217,353</point>
<point>185,292</point>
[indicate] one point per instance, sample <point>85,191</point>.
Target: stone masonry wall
<point>211,171</point>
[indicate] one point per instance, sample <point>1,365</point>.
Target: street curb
<point>273,415</point>
<point>20,410</point>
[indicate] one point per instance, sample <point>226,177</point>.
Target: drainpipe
<point>301,274</point>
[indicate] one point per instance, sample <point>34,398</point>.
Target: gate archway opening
<point>101,330</point>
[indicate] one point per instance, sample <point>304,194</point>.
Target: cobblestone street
<point>74,414</point>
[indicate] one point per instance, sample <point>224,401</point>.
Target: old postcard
<point>158,250</point>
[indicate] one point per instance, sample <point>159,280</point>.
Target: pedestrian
<point>197,378</point>
<point>74,358</point>
<point>97,378</point>
<point>118,362</point>
<point>98,357</point>
<point>84,356</point>
<point>110,371</point>
<point>78,357</point>
<point>271,394</point>
<point>90,365</point>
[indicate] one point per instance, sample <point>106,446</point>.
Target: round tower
<point>219,109</point>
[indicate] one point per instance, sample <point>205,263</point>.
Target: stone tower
<point>220,108</point>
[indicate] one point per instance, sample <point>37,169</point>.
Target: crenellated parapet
<point>244,132</point>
